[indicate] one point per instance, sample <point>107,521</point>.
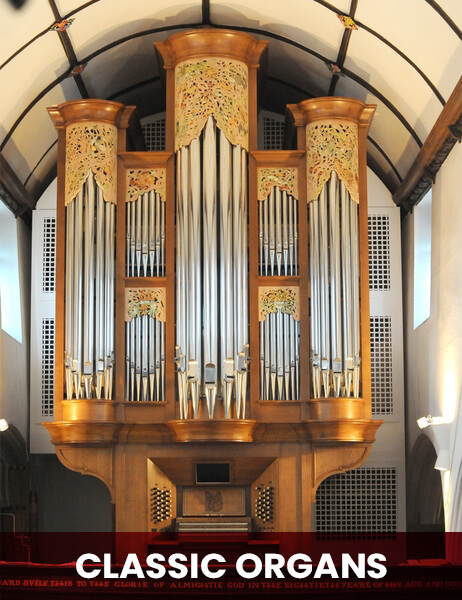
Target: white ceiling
<point>405,56</point>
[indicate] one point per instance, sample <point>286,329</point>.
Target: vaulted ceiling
<point>403,55</point>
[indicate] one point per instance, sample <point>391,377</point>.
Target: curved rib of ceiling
<point>391,60</point>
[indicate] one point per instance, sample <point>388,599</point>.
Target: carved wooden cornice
<point>445,133</point>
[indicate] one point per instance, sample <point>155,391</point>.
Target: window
<point>422,259</point>
<point>10,296</point>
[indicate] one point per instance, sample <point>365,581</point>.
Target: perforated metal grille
<point>379,252</point>
<point>359,504</point>
<point>154,135</point>
<point>273,133</point>
<point>48,255</point>
<point>48,343</point>
<point>381,366</point>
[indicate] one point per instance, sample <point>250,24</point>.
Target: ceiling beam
<point>446,131</point>
<point>13,193</point>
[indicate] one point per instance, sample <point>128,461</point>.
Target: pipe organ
<point>213,292</point>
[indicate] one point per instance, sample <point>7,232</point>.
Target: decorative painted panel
<point>211,86</point>
<point>331,146</point>
<point>91,147</point>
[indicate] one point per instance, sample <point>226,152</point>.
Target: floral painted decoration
<point>62,25</point>
<point>333,68</point>
<point>91,147</point>
<point>211,86</point>
<point>139,182</point>
<point>285,179</point>
<point>284,299</point>
<point>140,302</point>
<point>78,69</point>
<point>331,146</point>
<point>347,22</point>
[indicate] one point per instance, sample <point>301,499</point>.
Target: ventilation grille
<point>154,135</point>
<point>359,504</point>
<point>273,133</point>
<point>381,366</point>
<point>161,504</point>
<point>48,343</point>
<point>379,252</point>
<point>48,255</point>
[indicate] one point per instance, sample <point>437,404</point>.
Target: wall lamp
<point>429,420</point>
<point>3,425</point>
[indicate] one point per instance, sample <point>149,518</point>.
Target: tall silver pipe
<point>144,198</point>
<point>315,300</point>
<point>237,264</point>
<point>99,290</point>
<point>324,284</point>
<point>152,359</point>
<point>209,248</point>
<point>69,297</point>
<point>138,239</point>
<point>272,241</point>
<point>266,235</point>
<point>77,300</point>
<point>132,210</point>
<point>162,235</point>
<point>296,258</point>
<point>88,291</point>
<point>277,197</point>
<point>195,301</point>
<point>355,295</point>
<point>158,235</point>
<point>109,298</point>
<point>285,233</point>
<point>151,230</point>
<point>291,236</point>
<point>226,244</point>
<point>244,257</point>
<point>346,292</point>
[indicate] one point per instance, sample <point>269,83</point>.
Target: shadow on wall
<point>68,501</point>
<point>424,510</point>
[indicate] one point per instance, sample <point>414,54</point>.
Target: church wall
<point>434,350</point>
<point>14,355</point>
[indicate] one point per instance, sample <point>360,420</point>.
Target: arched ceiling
<point>404,56</point>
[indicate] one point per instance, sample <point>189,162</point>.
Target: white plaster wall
<point>14,356</point>
<point>433,351</point>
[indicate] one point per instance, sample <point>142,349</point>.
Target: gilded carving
<point>211,86</point>
<point>140,302</point>
<point>331,146</point>
<point>91,147</point>
<point>285,299</point>
<point>285,179</point>
<point>139,182</point>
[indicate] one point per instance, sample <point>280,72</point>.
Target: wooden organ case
<point>212,299</point>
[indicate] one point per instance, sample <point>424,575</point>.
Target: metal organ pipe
<point>212,290</point>
<point>334,285</point>
<point>89,293</point>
